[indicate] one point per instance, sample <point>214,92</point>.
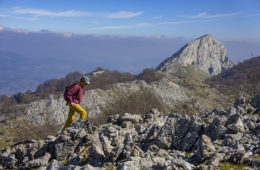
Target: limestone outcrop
<point>205,53</point>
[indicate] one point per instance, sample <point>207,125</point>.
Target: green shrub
<point>107,78</point>
<point>149,75</point>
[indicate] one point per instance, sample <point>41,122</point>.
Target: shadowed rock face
<point>152,141</point>
<point>206,53</point>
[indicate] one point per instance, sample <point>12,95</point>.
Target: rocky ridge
<point>94,99</point>
<point>153,141</point>
<point>54,108</point>
<point>205,53</point>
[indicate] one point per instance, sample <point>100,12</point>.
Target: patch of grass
<point>109,167</point>
<point>256,112</point>
<point>256,156</point>
<point>19,130</point>
<point>28,131</point>
<point>199,88</point>
<point>194,79</point>
<point>64,162</point>
<point>186,108</point>
<point>187,153</point>
<point>84,153</point>
<point>138,102</point>
<point>253,114</point>
<point>4,137</point>
<point>249,112</point>
<point>89,145</point>
<point>229,166</point>
<point>191,73</point>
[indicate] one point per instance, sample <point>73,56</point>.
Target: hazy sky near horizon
<point>225,19</point>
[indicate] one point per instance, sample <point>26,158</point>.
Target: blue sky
<point>225,19</point>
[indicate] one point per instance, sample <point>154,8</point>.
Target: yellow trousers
<point>72,114</point>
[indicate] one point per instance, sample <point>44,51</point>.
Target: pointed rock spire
<point>206,53</point>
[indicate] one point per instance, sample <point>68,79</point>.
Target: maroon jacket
<point>72,95</point>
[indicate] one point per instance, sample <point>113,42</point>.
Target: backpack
<point>67,89</point>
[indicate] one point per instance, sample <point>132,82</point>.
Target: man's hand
<point>73,104</point>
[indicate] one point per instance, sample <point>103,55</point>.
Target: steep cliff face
<point>206,53</point>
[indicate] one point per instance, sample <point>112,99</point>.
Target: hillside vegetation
<point>193,78</point>
<point>242,79</point>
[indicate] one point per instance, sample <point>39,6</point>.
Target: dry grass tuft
<point>138,102</point>
<point>15,131</point>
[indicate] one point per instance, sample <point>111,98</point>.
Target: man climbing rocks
<point>73,95</point>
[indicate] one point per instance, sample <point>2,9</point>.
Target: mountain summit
<point>205,53</point>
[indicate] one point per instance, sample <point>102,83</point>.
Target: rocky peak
<point>206,53</point>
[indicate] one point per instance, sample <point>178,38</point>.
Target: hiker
<point>73,95</point>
